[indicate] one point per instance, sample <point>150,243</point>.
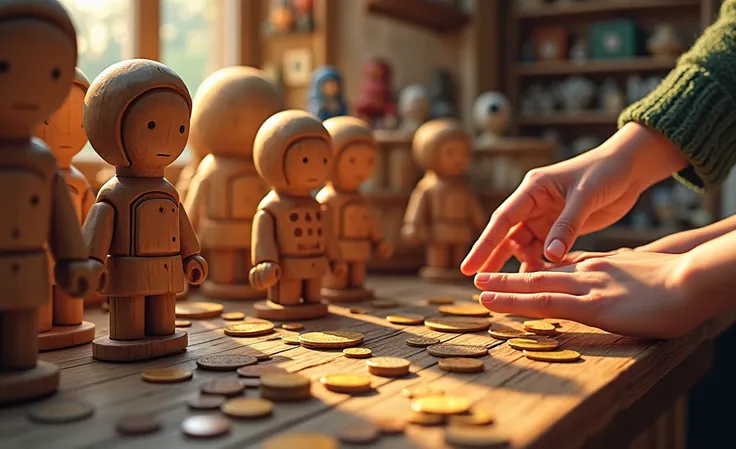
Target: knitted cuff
<point>696,113</point>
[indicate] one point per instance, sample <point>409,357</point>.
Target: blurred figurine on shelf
<point>665,208</point>
<point>580,50</point>
<point>442,94</point>
<point>414,107</point>
<point>576,94</point>
<point>610,97</point>
<point>527,52</point>
<point>229,108</point>
<point>61,320</point>
<point>326,93</point>
<point>304,15</point>
<point>376,102</point>
<point>358,232</point>
<point>443,212</point>
<point>689,208</point>
<point>492,114</point>
<point>281,17</point>
<point>665,42</point>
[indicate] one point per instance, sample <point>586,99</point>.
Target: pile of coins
<point>285,387</point>
<point>536,341</point>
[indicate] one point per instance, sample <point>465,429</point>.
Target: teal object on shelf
<point>614,39</point>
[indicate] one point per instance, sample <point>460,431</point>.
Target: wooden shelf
<point>517,146</point>
<point>583,118</point>
<point>601,6</point>
<point>643,64</point>
<point>435,17</point>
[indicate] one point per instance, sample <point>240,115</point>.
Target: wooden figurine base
<point>347,295</point>
<point>268,310</point>
<point>434,274</point>
<point>108,350</point>
<point>231,291</point>
<point>66,336</point>
<point>183,295</point>
<point>39,382</point>
<point>94,299</point>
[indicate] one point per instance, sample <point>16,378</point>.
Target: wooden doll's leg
<point>160,314</point>
<point>356,271</point>
<point>287,292</point>
<point>458,255</point>
<point>312,290</point>
<point>18,339</point>
<point>68,311</point>
<point>45,316</point>
<point>335,282</point>
<point>438,255</point>
<point>223,266</point>
<point>127,317</point>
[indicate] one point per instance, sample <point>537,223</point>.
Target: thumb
<point>566,229</point>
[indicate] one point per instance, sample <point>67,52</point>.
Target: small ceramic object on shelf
<point>376,103</point>
<point>442,94</point>
<point>550,43</point>
<point>585,143</point>
<point>527,52</point>
<point>326,94</point>
<point>576,93</point>
<point>528,104</point>
<point>665,42</point>
<point>610,97</point>
<point>491,113</point>
<point>281,17</point>
<point>414,107</point>
<point>304,11</point>
<point>665,208</point>
<point>634,85</point>
<point>689,207</point>
<point>580,50</point>
<point>546,103</point>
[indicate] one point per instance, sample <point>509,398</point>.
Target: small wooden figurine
<point>443,212</point>
<point>38,53</point>
<point>281,18</point>
<point>294,245</point>
<point>376,103</point>
<point>137,119</point>
<point>414,107</point>
<point>325,93</point>
<point>229,108</point>
<point>304,15</point>
<point>358,232</point>
<point>187,173</point>
<point>492,114</point>
<point>61,320</point>
<point>442,94</point>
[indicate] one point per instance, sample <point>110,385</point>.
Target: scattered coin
<point>461,365</point>
<point>406,319</point>
<point>330,339</point>
<point>441,405</point>
<point>553,321</point>
<point>205,426</point>
<point>357,353</point>
<point>247,408</point>
<point>534,343</point>
<point>286,381</point>
<point>440,300</point>
<point>390,426</point>
<point>540,327</point>
<point>198,310</point>
<point>261,356</point>
<point>362,434</point>
<point>475,417</point>
<point>457,324</point>
<point>137,424</point>
<point>422,342</point>
<point>425,419</point>
<point>252,329</point>
<point>475,436</point>
<point>205,402</point>
<point>357,310</point>
<point>291,339</point>
<point>301,440</point>
<point>225,362</point>
<point>166,375</point>
<point>388,366</point>
<point>292,326</point>
<point>60,412</point>
<point>223,387</point>
<point>384,304</point>
<point>418,391</point>
<point>447,350</point>
<point>465,310</point>
<point>505,333</point>
<point>565,355</point>
<point>252,382</point>
<point>256,371</point>
<point>347,383</point>
<point>182,323</point>
<point>233,316</point>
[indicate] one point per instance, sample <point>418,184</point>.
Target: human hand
<point>195,269</point>
<point>570,259</point>
<point>633,293</point>
<point>78,278</point>
<point>384,250</point>
<point>264,275</point>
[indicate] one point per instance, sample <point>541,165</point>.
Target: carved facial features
<point>307,165</point>
<point>355,165</point>
<point>64,132</point>
<point>453,158</point>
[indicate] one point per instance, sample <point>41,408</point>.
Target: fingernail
<point>482,277</point>
<point>486,298</point>
<point>556,249</point>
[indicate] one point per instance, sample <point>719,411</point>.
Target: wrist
<point>692,279</point>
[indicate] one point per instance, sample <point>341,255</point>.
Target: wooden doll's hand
<point>78,278</point>
<point>264,275</point>
<point>338,268</point>
<point>384,250</point>
<point>411,234</point>
<point>195,269</point>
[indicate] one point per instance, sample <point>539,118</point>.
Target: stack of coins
<point>285,387</point>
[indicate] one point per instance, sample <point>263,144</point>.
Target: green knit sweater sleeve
<point>695,106</point>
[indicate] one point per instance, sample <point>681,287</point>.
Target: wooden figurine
<point>304,15</point>
<point>358,232</point>
<point>281,18</point>
<point>492,114</point>
<point>187,173</point>
<point>376,103</point>
<point>137,119</point>
<point>61,323</point>
<point>38,53</point>
<point>293,245</point>
<point>229,108</point>
<point>325,93</point>
<point>443,212</point>
<point>414,107</point>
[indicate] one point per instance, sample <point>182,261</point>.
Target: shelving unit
<point>640,64</point>
<point>565,119</point>
<point>602,7</point>
<point>436,17</point>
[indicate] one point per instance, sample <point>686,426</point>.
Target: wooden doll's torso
<point>450,210</point>
<point>353,222</point>
<point>78,188</point>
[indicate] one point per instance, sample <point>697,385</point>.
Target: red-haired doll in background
<point>376,104</point>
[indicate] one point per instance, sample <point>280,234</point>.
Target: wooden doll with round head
<point>358,232</point>
<point>137,119</point>
<point>443,212</point>
<point>61,321</point>
<point>38,53</point>
<point>293,245</point>
<point>229,108</point>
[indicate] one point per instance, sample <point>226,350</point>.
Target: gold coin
<point>565,355</point>
<point>540,327</point>
<point>418,391</point>
<point>457,324</point>
<point>291,339</point>
<point>253,329</point>
<point>363,434</point>
<point>182,323</point>
<point>465,310</point>
<point>388,366</point>
<point>476,417</point>
<point>250,382</point>
<point>347,383</point>
<point>205,426</point>
<point>222,362</point>
<point>406,319</point>
<point>233,316</point>
<point>390,426</point>
<point>446,350</point>
<point>441,405</point>
<point>534,343</point>
<point>357,353</point>
<point>198,310</point>
<point>292,326</point>
<point>422,342</point>
<point>553,321</point>
<point>384,304</point>
<point>166,375</point>
<point>223,387</point>
<point>425,419</point>
<point>59,412</point>
<point>301,440</point>
<point>440,300</point>
<point>205,402</point>
<point>505,333</point>
<point>475,436</point>
<point>287,381</point>
<point>330,339</point>
<point>256,371</point>
<point>247,408</point>
<point>357,310</point>
<point>460,365</point>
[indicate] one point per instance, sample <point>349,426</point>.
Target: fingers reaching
<point>538,282</point>
<point>567,227</point>
<point>539,305</point>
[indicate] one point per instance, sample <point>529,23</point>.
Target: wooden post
<point>145,25</point>
<point>243,28</point>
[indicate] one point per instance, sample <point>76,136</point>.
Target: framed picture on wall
<point>297,65</point>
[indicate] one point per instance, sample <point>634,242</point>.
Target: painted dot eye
<point>56,74</point>
<point>305,160</point>
<point>151,124</point>
<point>352,160</point>
<point>324,161</point>
<point>4,66</point>
<point>182,129</point>
<point>46,122</point>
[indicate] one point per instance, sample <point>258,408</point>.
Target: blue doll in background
<point>325,94</point>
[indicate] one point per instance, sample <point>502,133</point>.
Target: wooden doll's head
<point>355,152</point>
<point>229,108</point>
<point>137,116</point>
<point>38,53</point>
<point>292,152</point>
<point>443,147</point>
<point>63,132</point>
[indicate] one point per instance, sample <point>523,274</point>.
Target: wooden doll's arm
<point>88,200</point>
<point>477,212</point>
<point>417,210</point>
<point>376,232</point>
<point>98,229</point>
<point>332,244</point>
<point>65,238</point>
<point>187,236</point>
<point>263,239</point>
<point>195,202</point>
